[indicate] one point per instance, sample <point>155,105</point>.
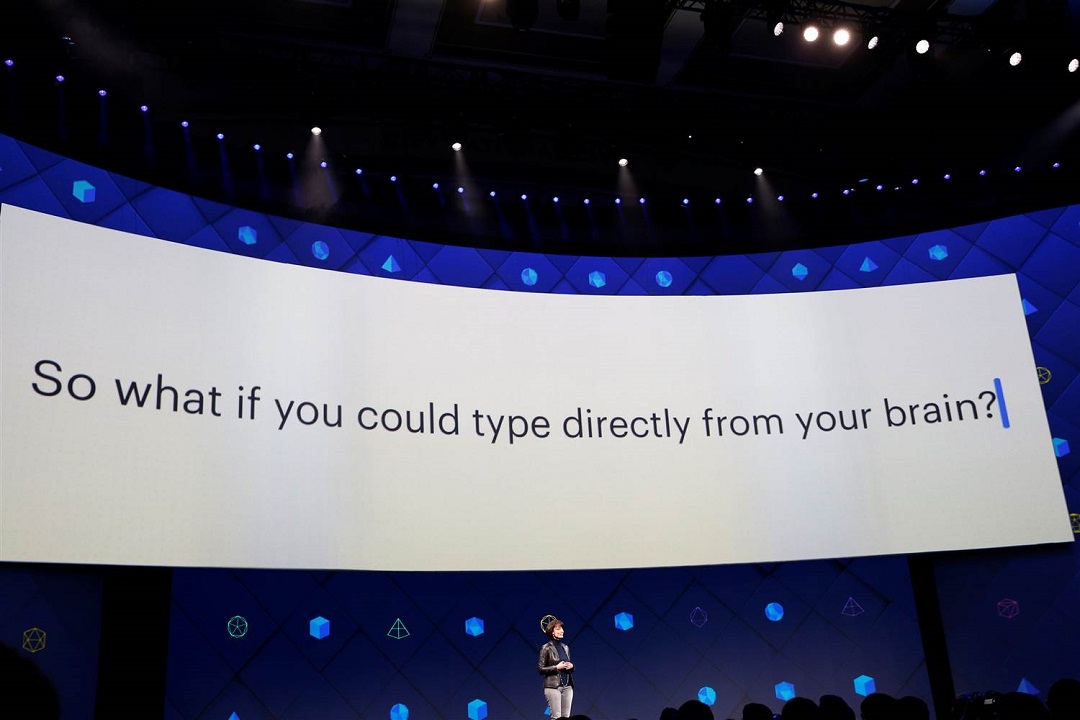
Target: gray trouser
<point>558,700</point>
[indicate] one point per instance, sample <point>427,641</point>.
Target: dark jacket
<point>549,658</point>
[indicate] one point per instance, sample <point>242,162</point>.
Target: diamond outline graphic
<point>33,640</point>
<point>237,626</point>
<point>852,608</point>
<point>1008,608</point>
<point>1044,374</point>
<point>698,617</point>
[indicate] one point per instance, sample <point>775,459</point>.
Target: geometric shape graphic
<point>320,250</point>
<point>33,640</point>
<point>391,265</point>
<point>852,608</point>
<point>707,695</point>
<point>398,631</point>
<point>1043,374</point>
<point>698,618</point>
<point>237,626</point>
<point>1028,307</point>
<point>597,279</point>
<point>234,716</point>
<point>799,271</point>
<point>319,627</point>
<point>1008,609</point>
<point>624,621</point>
<point>1061,447</point>
<point>663,279</point>
<point>399,712</point>
<point>784,691</point>
<point>774,611</point>
<point>529,276</point>
<point>1026,687</point>
<point>83,191</point>
<point>247,235</point>
<point>1074,519</point>
<point>478,710</point>
<point>939,252</point>
<point>474,626</point>
<point>868,265</point>
<point>864,685</point>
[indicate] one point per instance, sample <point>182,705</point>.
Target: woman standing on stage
<point>557,670</point>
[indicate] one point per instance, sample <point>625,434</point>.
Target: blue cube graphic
<point>319,627</point>
<point>1028,307</point>
<point>939,252</point>
<point>399,711</point>
<point>234,716</point>
<point>247,235</point>
<point>784,691</point>
<point>707,695</point>
<point>774,611</point>
<point>864,685</point>
<point>391,265</point>
<point>597,279</point>
<point>1061,447</point>
<point>624,621</point>
<point>474,626</point>
<point>83,191</point>
<point>799,271</point>
<point>477,710</point>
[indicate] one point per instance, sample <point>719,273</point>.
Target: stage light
<point>1074,64</point>
<point>586,201</point>
<point>623,162</point>
<point>393,178</point>
<point>144,108</point>
<point>780,198</point>
<point>257,147</point>
<point>359,171</point>
<point>717,201</point>
<point>316,131</point>
<point>641,201</point>
<point>554,199</point>
<point>59,78</point>
<point>221,136</point>
<point>915,181</point>
<point>9,62</point>
<point>491,194</point>
<point>810,33</point>
<point>1015,59</point>
<point>456,147</point>
<point>524,196</point>
<point>1056,165</point>
<point>434,186</point>
<point>842,36</point>
<point>102,93</point>
<point>880,187</point>
<point>289,156</point>
<point>184,124</point>
<point>758,171</point>
<point>685,201</point>
<point>778,29</point>
<point>947,176</point>
<point>322,164</point>
<point>813,195</point>
<point>1017,169</point>
<point>618,201</point>
<point>847,191</point>
<point>982,173</point>
<point>461,190</point>
<point>749,201</point>
<point>872,42</point>
<point>922,47</point>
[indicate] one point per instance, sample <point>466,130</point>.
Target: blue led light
<point>393,178</point>
<point>780,198</point>
<point>435,186</point>
<point>221,136</point>
<point>749,200</point>
<point>846,191</point>
<point>322,164</point>
<point>915,181</point>
<point>814,195</point>
<point>461,190</point>
<point>9,62</point>
<point>359,171</point>
<point>1017,169</point>
<point>144,108</point>
<point>60,78</point>
<point>524,196</point>
<point>289,155</point>
<point>102,93</point>
<point>586,201</point>
<point>982,173</point>
<point>491,194</point>
<point>685,201</point>
<point>717,201</point>
<point>641,201</point>
<point>618,201</point>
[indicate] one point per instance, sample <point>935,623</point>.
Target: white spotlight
<point>1015,59</point>
<point>316,131</point>
<point>841,37</point>
<point>922,47</point>
<point>1074,64</point>
<point>778,29</point>
<point>872,42</point>
<point>456,147</point>
<point>758,171</point>
<point>810,33</point>
<point>623,162</point>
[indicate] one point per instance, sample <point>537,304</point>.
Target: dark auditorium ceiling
<point>547,95</point>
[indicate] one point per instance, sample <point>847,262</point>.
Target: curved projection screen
<point>166,405</point>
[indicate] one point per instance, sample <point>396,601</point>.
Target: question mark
<point>990,402</point>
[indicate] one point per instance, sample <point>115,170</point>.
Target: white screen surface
<point>224,480</point>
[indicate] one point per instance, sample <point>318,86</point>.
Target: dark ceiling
<point>547,96</point>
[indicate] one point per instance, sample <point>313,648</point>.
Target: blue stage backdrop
<point>261,644</point>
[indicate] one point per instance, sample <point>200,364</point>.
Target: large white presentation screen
<point>167,405</point>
